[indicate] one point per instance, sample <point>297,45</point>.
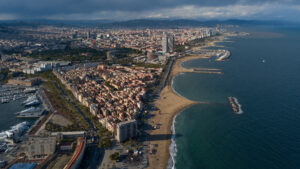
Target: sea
<point>263,73</point>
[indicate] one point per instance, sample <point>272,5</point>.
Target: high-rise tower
<point>171,44</point>
<point>164,43</point>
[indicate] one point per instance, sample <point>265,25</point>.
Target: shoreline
<point>169,105</point>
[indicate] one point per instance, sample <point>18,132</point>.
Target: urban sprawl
<point>111,73</point>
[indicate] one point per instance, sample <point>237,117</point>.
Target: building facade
<point>164,43</point>
<point>126,130</point>
<point>40,147</point>
<point>171,44</point>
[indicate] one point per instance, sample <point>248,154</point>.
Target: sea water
<point>263,74</point>
<point>8,119</point>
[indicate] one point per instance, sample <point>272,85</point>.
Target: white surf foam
<point>172,148</point>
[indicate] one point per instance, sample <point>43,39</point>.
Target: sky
<point>288,10</point>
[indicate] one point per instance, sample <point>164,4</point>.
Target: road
<point>96,154</point>
<point>165,80</point>
<point>75,106</point>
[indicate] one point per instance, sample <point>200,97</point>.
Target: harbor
<point>21,106</point>
<point>10,93</point>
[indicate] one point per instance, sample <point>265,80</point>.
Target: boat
<point>3,147</point>
<point>29,99</point>
<point>33,103</point>
<point>30,90</point>
<point>16,130</point>
<point>4,100</point>
<point>29,110</point>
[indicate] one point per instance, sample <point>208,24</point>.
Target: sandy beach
<point>169,104</point>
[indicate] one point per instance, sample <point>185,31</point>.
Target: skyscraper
<point>88,35</point>
<point>171,44</point>
<point>164,43</point>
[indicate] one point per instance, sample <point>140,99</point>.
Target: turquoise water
<point>267,134</point>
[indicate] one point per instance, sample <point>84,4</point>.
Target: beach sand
<point>169,104</point>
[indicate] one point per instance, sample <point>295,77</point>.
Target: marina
<point>21,106</point>
<point>10,93</point>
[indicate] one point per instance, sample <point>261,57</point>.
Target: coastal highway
<point>166,77</point>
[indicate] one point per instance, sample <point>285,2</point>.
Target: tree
<point>107,143</point>
<point>115,156</point>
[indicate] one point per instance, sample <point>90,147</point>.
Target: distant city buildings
<point>45,66</point>
<point>150,42</point>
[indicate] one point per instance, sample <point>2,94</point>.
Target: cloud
<point>129,9</point>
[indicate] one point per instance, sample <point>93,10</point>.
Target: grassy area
<point>180,48</point>
<point>126,52</point>
<point>201,41</point>
<point>62,105</point>
<point>80,54</point>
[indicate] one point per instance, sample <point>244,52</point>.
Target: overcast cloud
<point>134,9</point>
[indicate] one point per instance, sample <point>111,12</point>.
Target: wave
<point>173,147</point>
<point>17,129</point>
